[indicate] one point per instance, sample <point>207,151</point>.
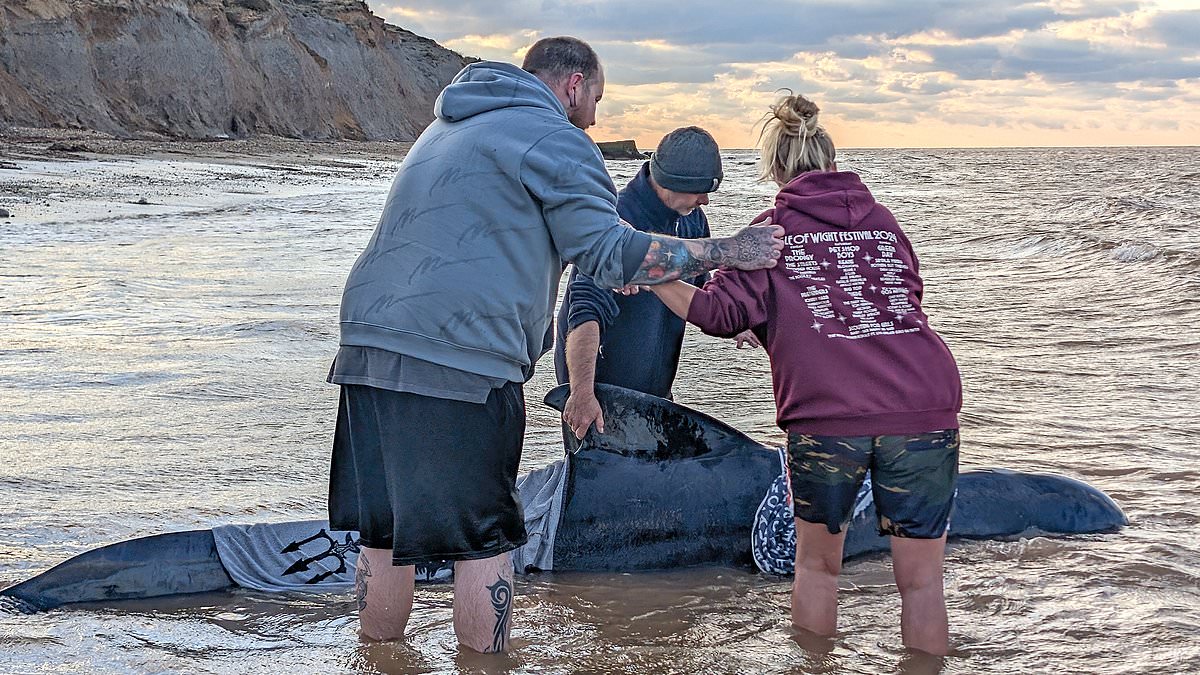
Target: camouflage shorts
<point>913,478</point>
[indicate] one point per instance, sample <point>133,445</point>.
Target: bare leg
<point>814,591</point>
<point>483,600</point>
<point>917,564</point>
<point>384,593</point>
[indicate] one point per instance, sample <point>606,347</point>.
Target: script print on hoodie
<point>843,302</point>
<point>851,350</point>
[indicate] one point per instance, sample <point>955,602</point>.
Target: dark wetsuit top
<point>640,338</point>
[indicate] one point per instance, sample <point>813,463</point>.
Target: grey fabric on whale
<point>296,556</point>
<point>306,556</point>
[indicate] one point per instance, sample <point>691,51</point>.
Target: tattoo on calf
<point>360,581</point>
<point>502,604</point>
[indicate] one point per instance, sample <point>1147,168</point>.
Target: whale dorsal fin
<point>653,428</point>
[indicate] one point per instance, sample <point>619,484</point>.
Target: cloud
<point>782,24</point>
<point>1009,67</point>
<point>920,86</point>
<point>1177,29</point>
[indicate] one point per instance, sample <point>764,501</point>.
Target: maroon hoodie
<point>852,354</point>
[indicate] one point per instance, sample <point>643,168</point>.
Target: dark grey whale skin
<point>164,564</point>
<point>664,487</point>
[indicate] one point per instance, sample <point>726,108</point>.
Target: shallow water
<point>163,367</point>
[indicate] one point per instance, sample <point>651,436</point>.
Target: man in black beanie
<point>634,341</point>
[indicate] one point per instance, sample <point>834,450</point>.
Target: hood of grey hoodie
<point>490,85</point>
<point>464,266</point>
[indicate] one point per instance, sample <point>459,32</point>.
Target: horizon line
<point>975,147</point>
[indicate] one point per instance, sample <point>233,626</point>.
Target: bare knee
<point>384,594</point>
<point>917,564</point>
<point>922,583</point>
<point>483,603</point>
<point>820,564</point>
<point>818,553</point>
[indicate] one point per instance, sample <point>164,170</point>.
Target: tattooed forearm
<point>502,604</point>
<point>360,581</point>
<point>668,258</point>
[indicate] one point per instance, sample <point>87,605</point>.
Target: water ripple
<point>165,369</point>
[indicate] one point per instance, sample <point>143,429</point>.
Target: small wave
<point>1186,477</point>
<point>1077,248</point>
<point>1162,212</point>
<point>1031,545</point>
<point>1141,251</point>
<point>1135,252</point>
<point>47,418</point>
<point>1079,210</point>
<point>11,605</point>
<point>1039,245</point>
<point>1131,203</point>
<point>209,394</point>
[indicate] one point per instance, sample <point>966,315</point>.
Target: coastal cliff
<point>194,69</point>
<point>621,150</point>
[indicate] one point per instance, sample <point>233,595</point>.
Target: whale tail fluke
<point>164,564</point>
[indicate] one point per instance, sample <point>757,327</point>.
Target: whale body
<point>664,487</point>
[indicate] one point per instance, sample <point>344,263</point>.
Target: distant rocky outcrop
<point>319,69</point>
<point>620,150</point>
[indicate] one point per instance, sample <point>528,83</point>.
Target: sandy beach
<point>49,175</point>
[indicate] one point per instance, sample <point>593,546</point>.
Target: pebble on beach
<point>4,213</point>
<point>68,146</point>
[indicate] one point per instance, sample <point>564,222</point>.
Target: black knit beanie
<point>687,160</point>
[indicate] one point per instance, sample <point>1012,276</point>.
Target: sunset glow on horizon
<point>937,73</point>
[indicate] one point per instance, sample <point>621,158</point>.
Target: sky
<point>885,73</point>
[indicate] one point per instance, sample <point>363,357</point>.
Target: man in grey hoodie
<point>450,306</point>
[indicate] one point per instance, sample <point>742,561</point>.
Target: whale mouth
<point>654,429</point>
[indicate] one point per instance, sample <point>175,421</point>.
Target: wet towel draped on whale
<point>307,556</point>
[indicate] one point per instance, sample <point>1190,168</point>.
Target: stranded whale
<point>664,487</point>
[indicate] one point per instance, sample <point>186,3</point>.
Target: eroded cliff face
<point>214,68</point>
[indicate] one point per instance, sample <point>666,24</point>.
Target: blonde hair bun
<point>798,115</point>
<point>793,141</point>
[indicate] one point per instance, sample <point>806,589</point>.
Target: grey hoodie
<point>491,202</point>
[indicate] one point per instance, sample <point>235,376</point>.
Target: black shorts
<point>428,478</point>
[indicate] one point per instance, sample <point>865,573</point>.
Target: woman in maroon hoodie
<point>861,380</point>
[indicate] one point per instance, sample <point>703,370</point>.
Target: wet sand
<point>49,175</point>
<point>31,144</point>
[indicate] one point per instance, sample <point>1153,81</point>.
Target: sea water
<point>163,365</point>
